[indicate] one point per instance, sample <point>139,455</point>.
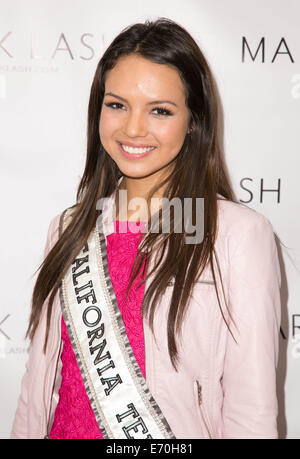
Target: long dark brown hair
<point>199,172</point>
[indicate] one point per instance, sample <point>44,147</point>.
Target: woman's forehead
<point>138,75</point>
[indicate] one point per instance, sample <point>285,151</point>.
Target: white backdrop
<point>49,50</point>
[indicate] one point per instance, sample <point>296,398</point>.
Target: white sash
<point>118,394</point>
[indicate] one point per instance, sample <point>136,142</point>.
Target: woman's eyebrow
<point>149,103</point>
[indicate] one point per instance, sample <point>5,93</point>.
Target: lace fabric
<point>74,417</point>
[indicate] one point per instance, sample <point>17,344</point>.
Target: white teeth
<point>136,150</point>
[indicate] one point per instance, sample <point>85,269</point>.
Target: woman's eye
<point>114,105</point>
<point>162,111</point>
<point>157,111</point>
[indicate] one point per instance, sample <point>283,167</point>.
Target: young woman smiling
<point>139,334</point>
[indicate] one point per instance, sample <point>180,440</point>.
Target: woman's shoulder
<point>55,223</point>
<point>247,244</point>
<point>237,219</point>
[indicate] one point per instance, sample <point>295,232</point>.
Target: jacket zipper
<point>210,282</point>
<point>199,391</point>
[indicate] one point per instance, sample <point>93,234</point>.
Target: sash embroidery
<point>121,401</point>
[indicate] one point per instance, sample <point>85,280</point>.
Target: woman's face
<point>144,118</point>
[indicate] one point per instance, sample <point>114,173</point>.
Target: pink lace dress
<point>74,417</point>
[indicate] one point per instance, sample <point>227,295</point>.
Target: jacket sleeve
<point>249,375</point>
<point>20,423</point>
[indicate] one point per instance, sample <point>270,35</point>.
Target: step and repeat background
<point>49,50</point>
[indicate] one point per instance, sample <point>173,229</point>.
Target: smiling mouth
<point>136,150</point>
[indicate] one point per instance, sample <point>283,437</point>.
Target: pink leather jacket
<point>223,389</point>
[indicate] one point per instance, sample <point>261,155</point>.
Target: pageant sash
<point>118,394</point>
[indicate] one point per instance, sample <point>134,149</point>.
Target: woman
<point>161,336</point>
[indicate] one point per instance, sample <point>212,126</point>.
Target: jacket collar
<point>108,211</point>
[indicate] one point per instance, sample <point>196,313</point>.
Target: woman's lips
<point>135,145</point>
<point>134,155</point>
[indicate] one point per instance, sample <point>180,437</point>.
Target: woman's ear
<point>191,125</point>
<point>191,128</point>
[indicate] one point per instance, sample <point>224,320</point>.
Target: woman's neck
<point>131,203</point>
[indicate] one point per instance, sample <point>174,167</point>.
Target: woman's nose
<point>135,125</point>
